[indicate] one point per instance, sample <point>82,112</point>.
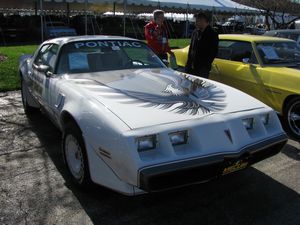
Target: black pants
<point>201,72</point>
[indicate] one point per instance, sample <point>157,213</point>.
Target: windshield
<point>279,52</point>
<point>105,55</point>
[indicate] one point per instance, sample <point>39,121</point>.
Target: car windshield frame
<point>273,53</point>
<point>110,53</point>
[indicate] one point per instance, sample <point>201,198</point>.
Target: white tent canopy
<point>217,5</point>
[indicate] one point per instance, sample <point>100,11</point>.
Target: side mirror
<point>44,69</point>
<point>246,60</point>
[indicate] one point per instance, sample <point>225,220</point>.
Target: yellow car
<point>267,68</point>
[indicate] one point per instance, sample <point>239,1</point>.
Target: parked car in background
<point>133,125</point>
<point>58,29</point>
<point>267,68</point>
<point>289,33</point>
<point>254,30</point>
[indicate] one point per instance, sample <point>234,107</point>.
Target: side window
<point>242,50</point>
<point>39,59</point>
<point>225,51</point>
<point>47,56</point>
<point>236,51</point>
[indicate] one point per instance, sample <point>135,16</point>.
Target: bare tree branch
<point>275,9</point>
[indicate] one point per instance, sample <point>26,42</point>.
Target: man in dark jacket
<point>203,48</point>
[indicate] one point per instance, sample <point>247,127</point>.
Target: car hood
<point>147,97</point>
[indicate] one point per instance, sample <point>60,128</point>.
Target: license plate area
<point>234,166</point>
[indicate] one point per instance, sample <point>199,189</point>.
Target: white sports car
<point>133,125</point>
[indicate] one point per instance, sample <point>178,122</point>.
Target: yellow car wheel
<point>291,117</point>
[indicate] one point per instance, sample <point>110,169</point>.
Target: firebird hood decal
<point>170,91</point>
<point>189,96</point>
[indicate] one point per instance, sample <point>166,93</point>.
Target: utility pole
<point>124,17</point>
<point>42,20</point>
<point>86,17</point>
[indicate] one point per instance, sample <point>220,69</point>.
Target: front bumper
<point>161,177</point>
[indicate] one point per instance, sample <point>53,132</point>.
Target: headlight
<point>179,137</point>
<point>248,123</point>
<point>265,118</point>
<point>146,142</point>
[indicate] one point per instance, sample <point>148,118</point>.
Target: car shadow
<point>291,152</point>
<point>247,197</point>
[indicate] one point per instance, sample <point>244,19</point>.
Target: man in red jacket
<point>156,35</point>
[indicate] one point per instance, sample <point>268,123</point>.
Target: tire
<point>291,118</point>
<point>24,94</point>
<point>75,157</point>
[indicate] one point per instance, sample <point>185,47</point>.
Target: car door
<point>42,67</point>
<point>236,65</point>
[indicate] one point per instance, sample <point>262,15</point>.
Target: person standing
<point>203,47</point>
<point>156,35</point>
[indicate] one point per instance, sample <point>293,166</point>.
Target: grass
<point>9,75</point>
<point>179,43</point>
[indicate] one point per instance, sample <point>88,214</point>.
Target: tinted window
<point>236,51</point>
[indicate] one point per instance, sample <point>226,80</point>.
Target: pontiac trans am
<point>133,125</point>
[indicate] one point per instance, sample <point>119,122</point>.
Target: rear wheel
<point>75,156</point>
<point>291,116</point>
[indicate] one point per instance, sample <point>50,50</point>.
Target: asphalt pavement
<point>35,188</point>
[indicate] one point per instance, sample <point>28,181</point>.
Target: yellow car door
<point>236,65</point>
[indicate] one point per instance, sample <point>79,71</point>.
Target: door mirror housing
<point>45,69</point>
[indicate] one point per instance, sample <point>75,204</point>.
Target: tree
<point>275,9</point>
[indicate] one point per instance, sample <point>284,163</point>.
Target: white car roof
<point>64,40</point>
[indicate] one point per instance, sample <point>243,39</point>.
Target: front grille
<point>178,178</point>
<point>199,170</point>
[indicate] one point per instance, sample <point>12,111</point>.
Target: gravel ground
<point>35,188</point>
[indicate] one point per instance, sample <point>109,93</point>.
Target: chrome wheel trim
<point>294,117</point>
<point>74,157</point>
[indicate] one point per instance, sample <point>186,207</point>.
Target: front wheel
<point>291,117</point>
<point>75,156</point>
<point>25,96</point>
